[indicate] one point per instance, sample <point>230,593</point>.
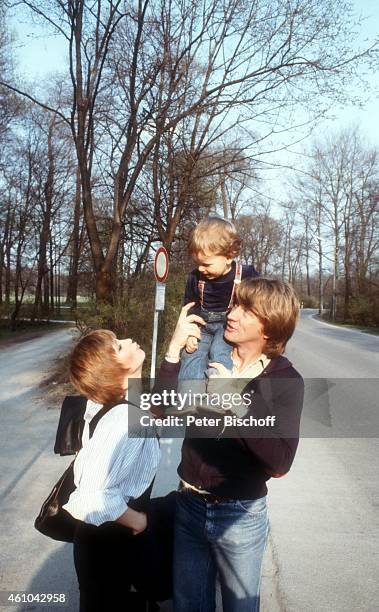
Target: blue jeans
<point>211,347</point>
<point>228,539</point>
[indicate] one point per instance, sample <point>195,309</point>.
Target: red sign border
<point>161,279</point>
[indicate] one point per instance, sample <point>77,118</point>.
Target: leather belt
<point>213,316</point>
<point>209,498</point>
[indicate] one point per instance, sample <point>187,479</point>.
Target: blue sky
<point>39,54</point>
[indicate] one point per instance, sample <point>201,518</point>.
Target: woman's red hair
<point>94,369</point>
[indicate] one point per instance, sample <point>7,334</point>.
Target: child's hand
<point>191,345</point>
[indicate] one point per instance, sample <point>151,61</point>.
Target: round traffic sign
<point>161,264</point>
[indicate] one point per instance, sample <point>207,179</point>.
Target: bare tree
<point>340,183</point>
<point>138,70</point>
<point>10,105</point>
<point>53,191</point>
<point>22,237</point>
<point>75,245</point>
<point>261,239</point>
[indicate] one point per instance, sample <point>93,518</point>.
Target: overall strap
<point>201,286</point>
<point>237,280</point>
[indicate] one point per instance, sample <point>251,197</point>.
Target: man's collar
<point>261,361</point>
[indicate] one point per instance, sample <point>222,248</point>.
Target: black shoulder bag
<point>68,440</point>
<point>53,521</point>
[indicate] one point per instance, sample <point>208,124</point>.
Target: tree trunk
<point>17,283</point>
<point>49,290</point>
<point>347,294</point>
<point>46,224</point>
<point>320,281</point>
<point>8,248</point>
<point>105,285</point>
<point>3,248</point>
<point>333,310</point>
<point>72,287</point>
<point>224,198</point>
<point>307,258</point>
<point>42,269</point>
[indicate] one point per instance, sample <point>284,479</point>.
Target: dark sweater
<point>238,467</point>
<point>217,291</point>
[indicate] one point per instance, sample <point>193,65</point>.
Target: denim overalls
<point>211,346</point>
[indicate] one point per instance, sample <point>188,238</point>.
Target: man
<point>221,522</point>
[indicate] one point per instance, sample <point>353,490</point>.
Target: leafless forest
<point>169,110</point>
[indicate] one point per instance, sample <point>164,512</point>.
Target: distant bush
<point>364,311</point>
<point>5,310</point>
<point>309,302</point>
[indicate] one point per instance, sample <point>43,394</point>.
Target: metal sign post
<point>161,273</point>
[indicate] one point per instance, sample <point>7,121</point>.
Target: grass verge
<point>26,331</point>
<point>368,330</point>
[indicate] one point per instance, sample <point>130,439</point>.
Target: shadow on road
<point>56,575</point>
<point>364,341</point>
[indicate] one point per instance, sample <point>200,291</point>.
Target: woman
<point>114,473</point>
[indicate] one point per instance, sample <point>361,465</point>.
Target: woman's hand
<point>140,523</point>
<point>136,521</point>
<point>187,325</point>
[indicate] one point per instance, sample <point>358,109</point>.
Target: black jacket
<point>238,466</point>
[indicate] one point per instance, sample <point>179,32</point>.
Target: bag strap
<point>106,408</point>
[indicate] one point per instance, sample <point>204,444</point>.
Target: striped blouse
<point>111,468</point>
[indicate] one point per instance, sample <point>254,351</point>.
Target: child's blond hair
<point>215,236</point>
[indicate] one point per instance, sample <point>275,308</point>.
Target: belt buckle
<point>211,499</point>
<point>216,316</point>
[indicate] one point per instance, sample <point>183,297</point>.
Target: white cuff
<point>171,358</point>
<point>96,507</point>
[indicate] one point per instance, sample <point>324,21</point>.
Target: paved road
<point>28,561</point>
<point>324,514</point>
<point>323,549</point>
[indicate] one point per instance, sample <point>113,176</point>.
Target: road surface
<point>323,548</point>
<point>28,467</point>
<point>324,513</point>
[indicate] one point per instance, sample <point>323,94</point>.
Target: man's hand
<point>223,382</point>
<point>187,325</point>
<point>191,345</point>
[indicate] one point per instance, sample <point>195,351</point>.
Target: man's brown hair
<point>275,303</point>
<point>215,236</point>
<point>94,369</point>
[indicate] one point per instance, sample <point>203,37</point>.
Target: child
<point>213,246</point>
